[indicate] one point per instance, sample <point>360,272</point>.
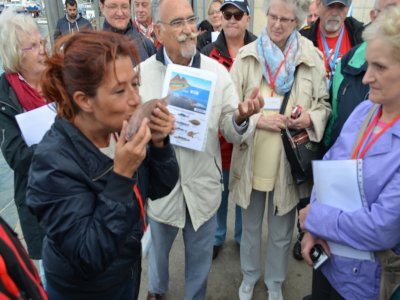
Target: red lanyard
<point>140,201</point>
<point>272,79</point>
<point>138,196</point>
<point>368,132</point>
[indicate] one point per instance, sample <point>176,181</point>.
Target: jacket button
<point>3,108</point>
<point>355,270</point>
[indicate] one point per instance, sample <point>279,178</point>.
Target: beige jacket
<point>310,91</point>
<point>200,183</point>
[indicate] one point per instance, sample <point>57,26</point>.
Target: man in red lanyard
<point>144,21</point>
<point>333,33</point>
<point>233,36</point>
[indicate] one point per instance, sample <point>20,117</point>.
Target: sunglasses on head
<point>237,15</point>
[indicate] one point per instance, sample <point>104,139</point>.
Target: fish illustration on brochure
<point>190,94</point>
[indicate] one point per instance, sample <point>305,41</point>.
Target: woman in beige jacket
<point>260,172</point>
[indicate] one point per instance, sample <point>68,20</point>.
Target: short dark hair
<point>70,3</point>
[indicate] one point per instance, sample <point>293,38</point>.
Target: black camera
<point>318,256</point>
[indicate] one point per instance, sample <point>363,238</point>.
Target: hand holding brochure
<point>190,94</point>
<point>35,123</point>
<point>336,183</point>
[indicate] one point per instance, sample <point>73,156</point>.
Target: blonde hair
<point>211,3</point>
<point>11,27</point>
<point>300,9</point>
<point>387,28</point>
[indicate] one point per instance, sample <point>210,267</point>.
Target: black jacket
<point>90,214</point>
<point>203,40</point>
<point>221,52</point>
<point>144,46</point>
<point>354,30</point>
<point>18,156</point>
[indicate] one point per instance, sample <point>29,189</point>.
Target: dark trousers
<point>322,289</point>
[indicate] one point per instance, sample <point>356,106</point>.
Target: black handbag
<point>300,151</point>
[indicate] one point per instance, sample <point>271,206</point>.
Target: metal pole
<point>54,11</point>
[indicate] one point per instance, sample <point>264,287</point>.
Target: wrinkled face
<point>32,49</point>
<point>72,11</point>
<point>383,73</point>
<point>116,98</point>
<point>143,11</point>
<point>280,22</point>
<point>332,17</point>
<point>177,29</point>
<point>215,16</point>
<point>234,28</point>
<point>116,12</point>
<point>312,15</point>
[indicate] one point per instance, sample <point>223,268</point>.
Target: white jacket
<point>200,184</point>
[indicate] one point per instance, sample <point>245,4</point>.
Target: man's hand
<point>249,107</point>
<point>303,215</point>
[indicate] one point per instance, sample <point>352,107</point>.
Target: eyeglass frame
<point>180,22</point>
<point>236,14</point>
<point>115,7</point>
<point>35,46</point>
<point>282,20</point>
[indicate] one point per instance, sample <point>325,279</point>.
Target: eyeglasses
<point>36,46</point>
<point>213,12</point>
<point>125,8</point>
<point>179,23</point>
<point>282,20</point>
<point>237,15</point>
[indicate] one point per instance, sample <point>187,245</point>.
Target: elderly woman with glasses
<point>281,62</point>
<point>22,52</point>
<point>215,19</point>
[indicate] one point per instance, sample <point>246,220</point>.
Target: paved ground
<point>225,276</point>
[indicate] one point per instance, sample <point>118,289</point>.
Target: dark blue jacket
<point>90,214</point>
<point>64,26</point>
<point>144,46</point>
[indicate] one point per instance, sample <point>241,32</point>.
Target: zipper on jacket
<point>220,172</point>
<point>3,134</point>
<point>103,174</point>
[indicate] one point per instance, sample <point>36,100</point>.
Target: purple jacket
<point>374,228</point>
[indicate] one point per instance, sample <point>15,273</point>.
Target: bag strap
<point>286,97</point>
<point>365,125</point>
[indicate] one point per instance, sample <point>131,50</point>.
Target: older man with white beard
<point>333,33</point>
<point>193,203</point>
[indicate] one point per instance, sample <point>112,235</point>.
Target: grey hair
<point>387,28</point>
<point>300,9</point>
<point>11,27</point>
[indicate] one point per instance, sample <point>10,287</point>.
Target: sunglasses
<point>237,15</point>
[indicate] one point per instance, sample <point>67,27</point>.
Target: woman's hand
<point>308,242</point>
<point>249,107</point>
<point>303,215</point>
<point>162,123</point>
<point>130,154</point>
<point>304,121</point>
<point>275,122</point>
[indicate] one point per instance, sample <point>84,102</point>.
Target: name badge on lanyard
<point>272,103</point>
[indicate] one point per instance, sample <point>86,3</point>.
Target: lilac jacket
<point>374,228</point>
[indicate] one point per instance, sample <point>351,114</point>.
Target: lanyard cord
<point>332,62</point>
<point>356,153</point>
<point>272,79</point>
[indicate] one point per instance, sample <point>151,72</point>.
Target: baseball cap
<point>329,2</point>
<point>240,4</point>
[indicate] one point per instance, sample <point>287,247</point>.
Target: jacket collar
<point>222,47</point>
<point>356,64</point>
<point>88,156</point>
<point>196,58</point>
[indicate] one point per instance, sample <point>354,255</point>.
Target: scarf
<point>270,54</point>
<point>27,96</point>
<point>146,31</point>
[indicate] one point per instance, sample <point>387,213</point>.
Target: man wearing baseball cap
<point>233,36</point>
<point>333,33</point>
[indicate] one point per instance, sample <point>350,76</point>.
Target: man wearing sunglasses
<point>233,36</point>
